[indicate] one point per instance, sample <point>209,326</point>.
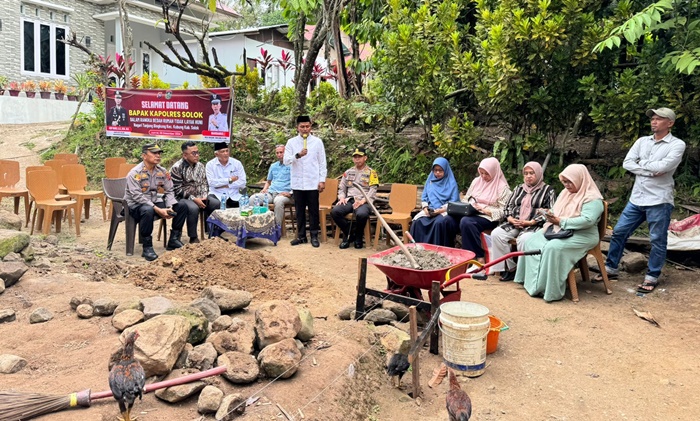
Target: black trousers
<point>302,200</point>
<point>193,212</point>
<point>361,216</point>
<point>145,215</point>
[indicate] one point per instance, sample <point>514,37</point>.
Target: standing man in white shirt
<point>307,157</point>
<point>225,175</point>
<point>653,160</point>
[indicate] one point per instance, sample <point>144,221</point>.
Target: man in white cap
<point>653,160</point>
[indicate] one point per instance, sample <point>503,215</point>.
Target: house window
<point>43,53</point>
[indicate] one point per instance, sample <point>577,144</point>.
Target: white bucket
<point>464,328</point>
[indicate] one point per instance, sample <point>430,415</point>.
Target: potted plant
<point>72,94</point>
<point>3,84</point>
<point>59,89</point>
<point>29,88</point>
<point>45,88</point>
<point>14,88</point>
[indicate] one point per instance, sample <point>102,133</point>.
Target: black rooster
<point>127,378</point>
<point>398,365</point>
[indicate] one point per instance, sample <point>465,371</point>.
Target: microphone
<point>305,135</point>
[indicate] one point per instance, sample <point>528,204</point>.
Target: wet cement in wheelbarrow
<point>426,259</point>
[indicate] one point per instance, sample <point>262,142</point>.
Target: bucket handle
<point>499,329</point>
<point>459,339</point>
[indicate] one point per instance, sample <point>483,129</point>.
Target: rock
<point>209,400</point>
<point>393,340</point>
<point>160,342</point>
<point>228,300</point>
<point>10,221</point>
<point>42,263</point>
<point>307,325</point>
<point>2,286</point>
<point>345,312</point>
<point>11,363</point>
<point>11,272</point>
<point>105,306</point>
<point>27,253</point>
<point>226,410</point>
<point>202,357</point>
<point>85,311</point>
<point>155,306</point>
<point>12,242</point>
<point>240,336</point>
<point>76,301</point>
<point>13,257</point>
<point>51,239</point>
<point>634,262</point>
<point>182,358</point>
<point>276,320</point>
<point>280,359</point>
<point>401,310</point>
<point>40,315</point>
<point>198,322</point>
<point>221,323</point>
<point>591,262</point>
<point>208,307</point>
<point>380,316</point>
<point>240,368</point>
<point>126,319</point>
<point>7,315</point>
<point>129,305</point>
<point>181,392</point>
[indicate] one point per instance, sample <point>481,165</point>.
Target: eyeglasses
<point>195,153</point>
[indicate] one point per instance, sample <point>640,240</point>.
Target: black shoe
<point>149,254</point>
<point>194,240</point>
<point>297,241</point>
<point>359,244</point>
<point>314,241</point>
<point>174,241</point>
<point>344,244</point>
<point>509,276</point>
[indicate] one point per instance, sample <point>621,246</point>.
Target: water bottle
<point>266,203</point>
<point>224,198</point>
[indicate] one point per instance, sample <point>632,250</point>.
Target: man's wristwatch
<point>297,156</point>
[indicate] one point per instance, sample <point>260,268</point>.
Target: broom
<point>17,406</point>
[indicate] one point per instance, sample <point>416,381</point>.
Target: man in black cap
<point>226,176</point>
<point>307,157</point>
<point>350,199</point>
<point>144,202</point>
<point>217,122</point>
<point>118,115</point>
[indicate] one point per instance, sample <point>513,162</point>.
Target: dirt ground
<point>594,360</point>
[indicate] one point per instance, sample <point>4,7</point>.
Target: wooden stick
<point>415,370</point>
<point>390,231</point>
<point>286,414</point>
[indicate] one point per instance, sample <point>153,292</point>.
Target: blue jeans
<point>658,217</point>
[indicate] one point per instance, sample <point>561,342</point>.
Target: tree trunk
<point>304,78</point>
<point>357,79</point>
<point>127,42</point>
<point>339,59</point>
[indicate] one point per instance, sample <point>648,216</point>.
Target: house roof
<point>281,28</point>
<point>223,11</point>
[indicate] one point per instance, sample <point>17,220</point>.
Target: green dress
<point>546,274</point>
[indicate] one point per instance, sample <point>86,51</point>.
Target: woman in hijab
<point>488,194</point>
<point>521,219</point>
<point>578,208</point>
<point>431,225</point>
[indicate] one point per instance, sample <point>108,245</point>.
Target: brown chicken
<point>459,406</point>
<point>127,378</point>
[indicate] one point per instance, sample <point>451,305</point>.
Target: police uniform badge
<point>373,179</point>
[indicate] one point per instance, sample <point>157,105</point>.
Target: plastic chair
<point>9,177</point>
<point>368,236</point>
<point>112,166</point>
<point>325,203</point>
<point>402,201</point>
<point>43,186</point>
<point>124,169</point>
<point>288,212</point>
<point>57,165</point>
<point>75,180</point>
<point>70,158</point>
<point>114,189</point>
<point>31,199</point>
<point>598,254</point>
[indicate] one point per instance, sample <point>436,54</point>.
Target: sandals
<point>647,287</point>
<point>599,278</point>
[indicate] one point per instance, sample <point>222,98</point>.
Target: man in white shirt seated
<point>226,176</point>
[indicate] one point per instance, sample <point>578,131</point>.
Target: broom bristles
<point>16,406</point>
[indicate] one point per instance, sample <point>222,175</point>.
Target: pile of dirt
<point>221,263</point>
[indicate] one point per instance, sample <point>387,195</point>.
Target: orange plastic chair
<point>70,158</point>
<point>124,169</point>
<point>402,200</point>
<point>598,254</point>
<point>75,180</point>
<point>325,204</point>
<point>351,216</point>
<point>112,166</point>
<point>9,177</point>
<point>43,186</point>
<point>31,198</point>
<point>57,165</point>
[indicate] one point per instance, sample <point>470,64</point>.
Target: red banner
<point>200,115</point>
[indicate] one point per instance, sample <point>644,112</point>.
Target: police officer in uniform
<point>351,200</point>
<point>144,201</point>
<point>217,121</point>
<point>118,115</point>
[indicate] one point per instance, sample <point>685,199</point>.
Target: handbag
<point>461,209</point>
<point>549,234</point>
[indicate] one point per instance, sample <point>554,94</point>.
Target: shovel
<point>390,231</point>
<point>410,238</point>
